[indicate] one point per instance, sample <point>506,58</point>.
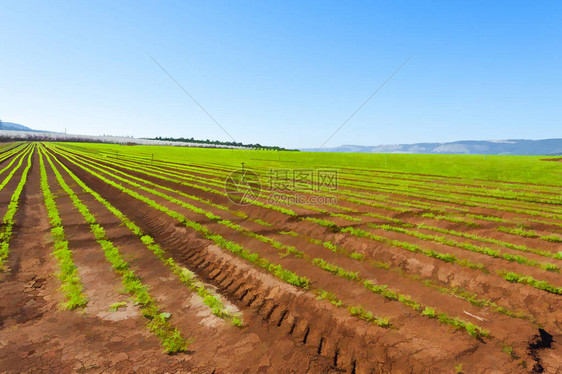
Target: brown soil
<point>286,329</point>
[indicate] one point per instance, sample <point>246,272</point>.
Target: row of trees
<point>219,143</point>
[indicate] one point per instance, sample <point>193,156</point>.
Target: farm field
<point>144,259</point>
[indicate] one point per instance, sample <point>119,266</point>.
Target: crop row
<point>459,293</point>
<point>261,195</point>
<point>404,245</point>
<point>543,285</point>
<point>468,246</point>
<point>275,269</point>
<point>163,158</point>
<point>382,201</point>
<point>167,157</point>
<point>480,238</point>
<point>374,193</point>
<point>327,223</point>
<point>236,248</point>
<point>519,231</point>
<point>464,190</point>
<point>453,291</point>
<point>417,204</point>
<point>8,219</point>
<point>422,205</point>
<point>470,328</point>
<point>187,277</point>
<point>495,187</point>
<point>330,224</point>
<point>405,188</point>
<point>449,197</point>
<point>288,250</point>
<point>71,285</point>
<point>551,238</point>
<point>14,151</point>
<point>159,323</point>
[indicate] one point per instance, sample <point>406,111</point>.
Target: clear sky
<point>287,72</point>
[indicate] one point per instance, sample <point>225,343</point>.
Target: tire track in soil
<point>516,296</point>
<point>533,302</point>
<point>409,321</point>
<point>502,326</point>
<point>216,341</point>
<point>319,251</point>
<point>159,227</point>
<point>543,311</point>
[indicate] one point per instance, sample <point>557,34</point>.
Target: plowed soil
<point>286,329</point>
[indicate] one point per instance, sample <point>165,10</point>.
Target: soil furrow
<point>164,231</point>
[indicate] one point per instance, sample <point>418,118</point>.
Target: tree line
<point>218,142</point>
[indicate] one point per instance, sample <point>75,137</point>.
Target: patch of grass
<point>429,312</point>
<point>115,306</point>
<point>460,220</point>
<point>262,222</point>
<point>391,294</point>
<point>458,368</point>
<point>332,298</point>
<point>552,238</point>
<point>508,349</point>
<point>519,231</point>
<point>529,280</point>
<point>367,316</point>
<point>334,269</point>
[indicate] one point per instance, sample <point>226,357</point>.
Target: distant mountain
<point>15,127</point>
<point>465,147</point>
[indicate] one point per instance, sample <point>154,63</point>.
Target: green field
<point>523,169</point>
<point>460,252</point>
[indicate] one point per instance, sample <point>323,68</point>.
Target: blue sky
<point>285,73</point>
